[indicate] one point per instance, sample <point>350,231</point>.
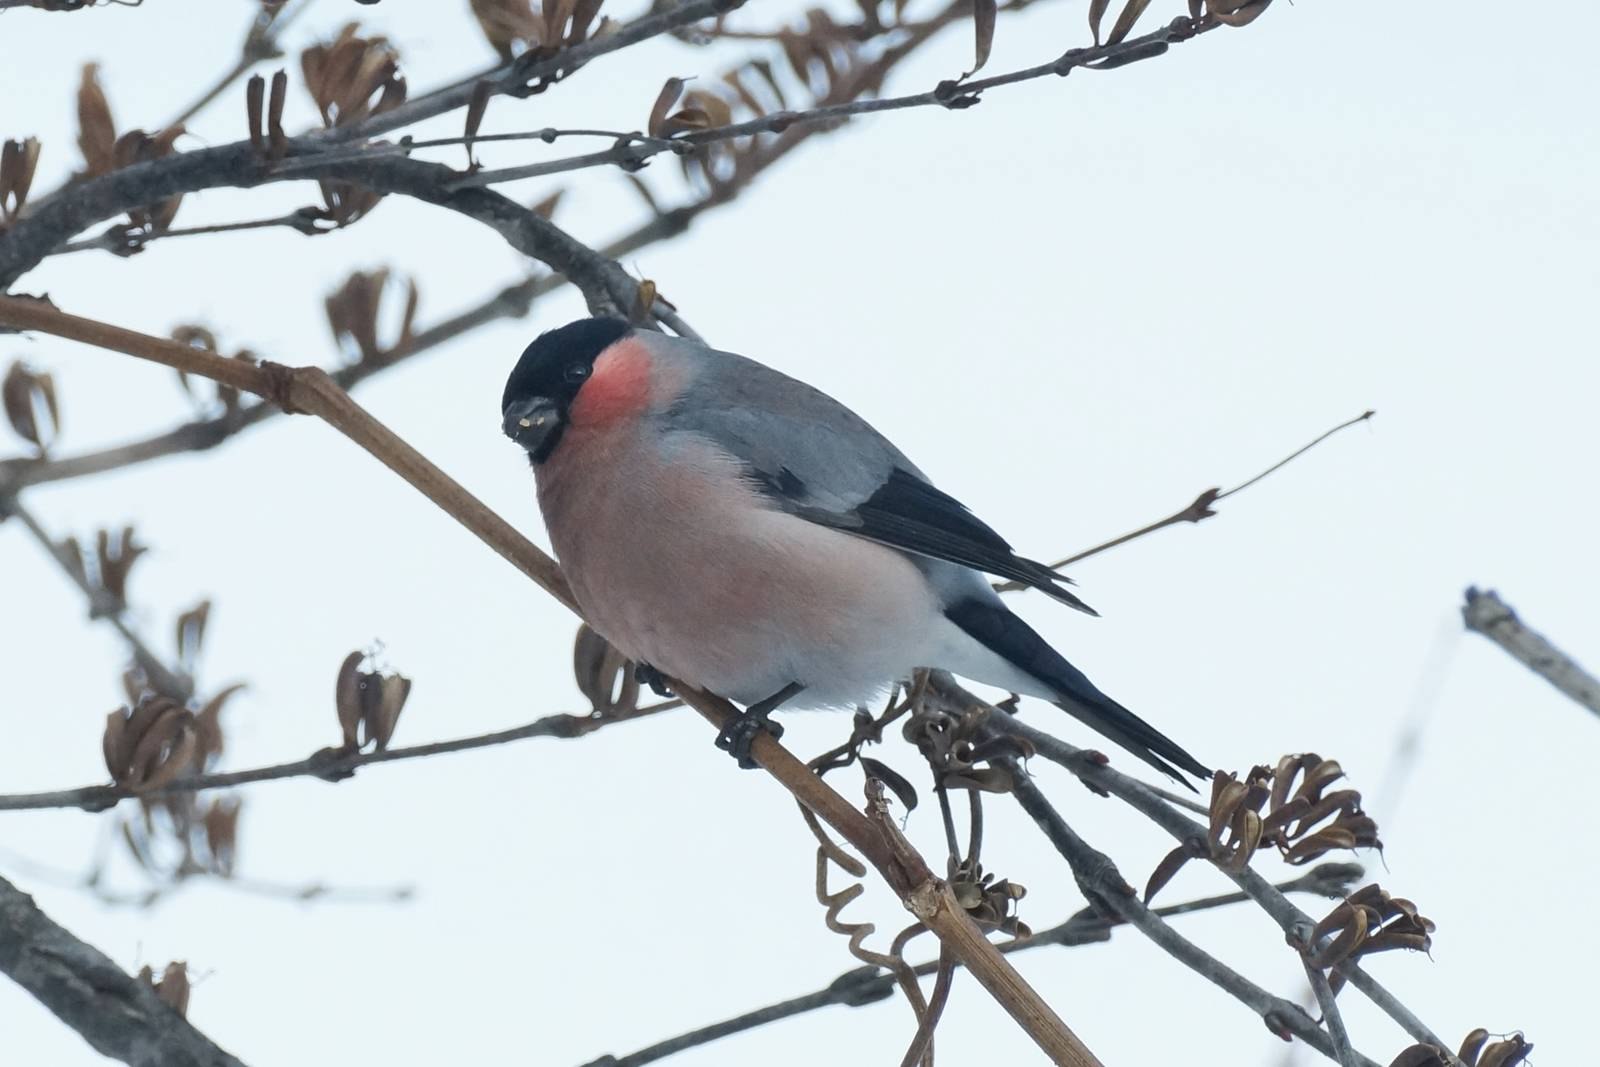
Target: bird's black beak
<point>530,423</point>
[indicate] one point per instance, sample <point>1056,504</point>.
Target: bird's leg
<point>645,674</point>
<point>740,733</point>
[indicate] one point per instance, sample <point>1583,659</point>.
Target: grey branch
<point>166,681</point>
<point>1139,796</point>
<point>949,94</point>
<point>1097,875</point>
<point>328,764</point>
<point>116,1013</point>
<point>1487,614</point>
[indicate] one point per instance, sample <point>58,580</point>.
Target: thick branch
<point>54,221</point>
<point>1487,614</point>
<point>116,1013</point>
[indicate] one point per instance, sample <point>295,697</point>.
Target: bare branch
<point>329,764</point>
<point>1199,509</point>
<point>116,1013</point>
<point>1487,614</point>
<point>1343,1052</point>
<point>1097,773</point>
<point>946,95</point>
<point>163,679</point>
<point>1105,888</point>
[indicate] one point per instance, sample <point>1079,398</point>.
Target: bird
<point>741,532</point>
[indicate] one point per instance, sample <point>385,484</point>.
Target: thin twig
<point>304,893</point>
<point>103,605</point>
<point>117,238</point>
<point>633,152</point>
<point>1198,509</point>
<point>260,43</point>
<point>328,764</point>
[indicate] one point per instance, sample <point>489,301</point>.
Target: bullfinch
<point>739,531</point>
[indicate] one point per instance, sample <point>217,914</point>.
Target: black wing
<point>909,513</point>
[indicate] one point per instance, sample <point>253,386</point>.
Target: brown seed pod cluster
<point>1290,807</point>
<point>1367,921</point>
<point>989,902</point>
<point>957,751</point>
<point>29,398</point>
<point>1507,1050</point>
<point>149,745</point>
<point>354,310</point>
<point>516,28</point>
<point>18,160</point>
<point>200,337</point>
<point>369,703</point>
<point>105,151</point>
<point>172,987</point>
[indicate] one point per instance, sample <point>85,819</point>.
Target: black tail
<point>1007,636</point>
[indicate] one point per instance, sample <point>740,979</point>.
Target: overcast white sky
<point>1076,306</point>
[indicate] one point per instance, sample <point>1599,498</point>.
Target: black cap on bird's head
<point>533,409</point>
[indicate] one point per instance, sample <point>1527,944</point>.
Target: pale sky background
<point>1076,306</point>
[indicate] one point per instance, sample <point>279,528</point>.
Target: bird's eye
<point>575,373</point>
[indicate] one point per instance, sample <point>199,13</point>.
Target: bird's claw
<point>645,674</point>
<point>741,732</point>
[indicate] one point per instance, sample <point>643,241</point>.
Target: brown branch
<point>309,389</point>
<point>1487,614</point>
<point>1199,509</point>
<point>117,1014</point>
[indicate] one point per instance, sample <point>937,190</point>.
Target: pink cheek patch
<point>618,387</point>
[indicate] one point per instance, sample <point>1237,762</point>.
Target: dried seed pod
<point>352,77</point>
<point>604,675</point>
<point>368,703</point>
<point>354,310</point>
<point>347,699</point>
<point>173,988</point>
<point>149,746</point>
<point>29,399</point>
<point>18,160</point>
<point>220,822</point>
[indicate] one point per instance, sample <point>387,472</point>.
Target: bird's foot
<point>645,674</point>
<point>741,732</point>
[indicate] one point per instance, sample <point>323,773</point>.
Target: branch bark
<point>116,1013</point>
<point>1487,614</point>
